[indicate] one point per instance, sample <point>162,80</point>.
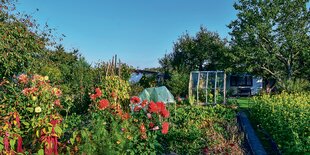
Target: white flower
<point>37,109</point>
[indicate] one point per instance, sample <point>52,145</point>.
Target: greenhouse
<point>207,87</point>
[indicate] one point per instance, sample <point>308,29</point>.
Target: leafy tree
<point>270,38</point>
<point>205,51</point>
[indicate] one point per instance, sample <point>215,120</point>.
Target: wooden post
<point>207,81</point>
<point>224,88</point>
<point>190,89</point>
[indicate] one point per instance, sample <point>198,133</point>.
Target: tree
<point>205,51</point>
<point>270,38</point>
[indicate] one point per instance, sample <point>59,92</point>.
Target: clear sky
<point>138,31</point>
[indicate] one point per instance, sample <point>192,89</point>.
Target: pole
<point>224,88</point>
<point>215,87</point>
<point>207,81</point>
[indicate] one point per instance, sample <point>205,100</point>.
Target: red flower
<point>144,103</point>
<point>57,102</point>
<point>98,92</point>
<point>93,96</point>
<point>165,113</point>
<point>57,92</point>
<point>135,100</point>
<point>125,116</point>
<point>23,78</point>
<point>161,106</point>
<point>165,127</point>
<point>137,108</point>
<point>153,107</point>
<point>151,125</point>
<point>103,104</point>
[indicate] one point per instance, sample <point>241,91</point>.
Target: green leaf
<point>58,130</point>
<point>12,143</point>
<point>30,109</point>
<point>41,152</point>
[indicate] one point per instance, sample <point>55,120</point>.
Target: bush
<point>30,120</point>
<point>286,117</point>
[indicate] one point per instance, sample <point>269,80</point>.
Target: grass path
<point>244,105</point>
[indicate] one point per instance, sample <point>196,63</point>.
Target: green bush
<point>286,118</point>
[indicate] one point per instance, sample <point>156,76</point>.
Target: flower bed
<point>203,130</point>
<point>286,117</point>
<point>34,121</point>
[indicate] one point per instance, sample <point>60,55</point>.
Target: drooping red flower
<point>6,142</point>
<point>19,144</point>
<point>135,100</point>
<point>165,128</point>
<point>23,78</point>
<point>104,103</point>
<point>165,113</point>
<point>144,103</point>
<point>153,107</point>
<point>98,92</point>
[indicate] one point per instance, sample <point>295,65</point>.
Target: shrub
<point>30,122</point>
<point>286,117</point>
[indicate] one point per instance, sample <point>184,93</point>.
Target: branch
<point>270,72</point>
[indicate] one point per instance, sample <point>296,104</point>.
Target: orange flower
<point>142,128</point>
<point>165,128</point>
<point>114,95</point>
<point>126,116</point>
<point>23,78</point>
<point>103,104</point>
<point>135,100</point>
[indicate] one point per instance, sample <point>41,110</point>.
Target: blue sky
<point>138,31</point>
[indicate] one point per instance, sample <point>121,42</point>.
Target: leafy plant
<point>285,117</point>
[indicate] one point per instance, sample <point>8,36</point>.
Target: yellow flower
<point>37,109</point>
<point>118,142</point>
<point>34,98</point>
<point>45,78</point>
<point>135,120</point>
